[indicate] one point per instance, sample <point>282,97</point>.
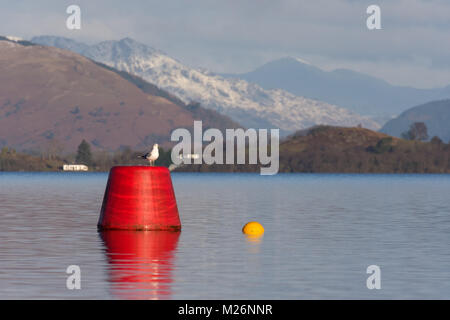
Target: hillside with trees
<point>97,161</point>
<point>321,149</point>
<point>11,160</point>
<point>325,149</point>
<point>357,150</point>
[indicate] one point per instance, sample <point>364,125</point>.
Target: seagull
<point>151,156</point>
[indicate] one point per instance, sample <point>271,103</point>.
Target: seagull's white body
<point>153,155</point>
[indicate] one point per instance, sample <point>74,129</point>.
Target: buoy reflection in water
<point>140,263</point>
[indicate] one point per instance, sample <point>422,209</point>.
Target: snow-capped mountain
<point>247,103</point>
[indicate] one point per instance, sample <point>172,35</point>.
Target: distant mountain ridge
<point>245,102</point>
<point>435,115</point>
<point>355,91</point>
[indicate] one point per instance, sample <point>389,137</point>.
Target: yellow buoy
<point>253,228</point>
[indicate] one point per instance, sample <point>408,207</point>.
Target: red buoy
<point>139,198</point>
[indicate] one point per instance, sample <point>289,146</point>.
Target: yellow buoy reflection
<point>254,239</point>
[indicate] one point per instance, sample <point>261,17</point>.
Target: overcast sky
<point>413,47</point>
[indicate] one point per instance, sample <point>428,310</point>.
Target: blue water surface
<point>322,231</point>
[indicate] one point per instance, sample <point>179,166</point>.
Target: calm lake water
<point>322,232</point>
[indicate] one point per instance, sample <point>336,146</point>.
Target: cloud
<point>239,35</point>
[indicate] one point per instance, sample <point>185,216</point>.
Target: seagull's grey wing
<point>144,156</point>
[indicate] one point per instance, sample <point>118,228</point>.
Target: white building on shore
<point>189,156</point>
<point>75,167</point>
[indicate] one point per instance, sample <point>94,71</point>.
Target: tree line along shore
<point>321,149</point>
